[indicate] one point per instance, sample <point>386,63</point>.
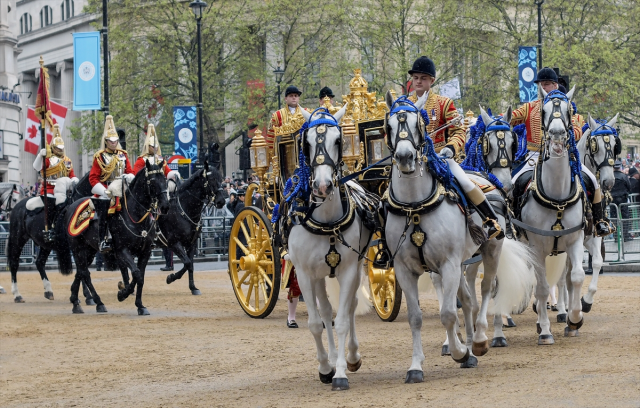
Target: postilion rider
<point>450,141</point>
<point>109,164</point>
<point>280,117</point>
<point>56,165</point>
<point>529,114</point>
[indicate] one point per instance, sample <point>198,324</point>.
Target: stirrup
<point>603,232</point>
<point>105,246</point>
<point>495,230</point>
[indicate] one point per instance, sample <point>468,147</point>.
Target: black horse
<point>181,227</point>
<point>132,230</point>
<point>25,225</point>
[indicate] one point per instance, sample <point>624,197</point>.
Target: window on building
<point>67,9</point>
<point>46,16</point>
<point>25,23</point>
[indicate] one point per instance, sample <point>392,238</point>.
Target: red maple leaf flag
<point>33,137</point>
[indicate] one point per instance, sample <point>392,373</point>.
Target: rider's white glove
<point>129,177</point>
<point>447,152</point>
<point>173,175</point>
<point>101,191</point>
<point>43,152</point>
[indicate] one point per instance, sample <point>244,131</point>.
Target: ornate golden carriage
<point>255,258</point>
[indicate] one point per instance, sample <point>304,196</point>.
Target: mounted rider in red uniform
<point>151,153</point>
<point>55,162</point>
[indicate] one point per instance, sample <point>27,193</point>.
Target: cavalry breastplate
<point>58,167</point>
<point>120,164</point>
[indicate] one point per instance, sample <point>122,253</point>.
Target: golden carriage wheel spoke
<point>241,281</point>
<point>257,298</point>
<point>265,277</point>
<point>242,247</point>
<point>247,299</point>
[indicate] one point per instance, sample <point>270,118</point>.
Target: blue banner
<point>185,128</point>
<point>527,69</point>
<point>86,66</point>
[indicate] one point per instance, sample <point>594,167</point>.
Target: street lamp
<point>279,75</point>
<point>197,6</point>
<point>539,4</point>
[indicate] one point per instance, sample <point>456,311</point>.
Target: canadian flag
<point>32,134</point>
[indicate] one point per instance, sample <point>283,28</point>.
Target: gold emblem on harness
<point>417,237</point>
<point>556,114</point>
<point>606,139</point>
<point>321,129</point>
<point>503,162</point>
<point>557,227</point>
<point>611,162</point>
<point>320,159</point>
<point>403,135</point>
<point>500,134</point>
<point>333,259</point>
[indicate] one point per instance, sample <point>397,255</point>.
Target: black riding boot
<point>102,212</point>
<point>49,236</point>
<point>601,222</point>
<point>489,216</point>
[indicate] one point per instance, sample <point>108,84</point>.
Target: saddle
<point>85,212</point>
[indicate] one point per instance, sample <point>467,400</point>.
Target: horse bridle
<point>555,97</point>
<point>154,201</point>
<point>503,161</point>
<point>607,133</point>
<point>404,132</point>
<point>321,156</point>
<point>9,200</point>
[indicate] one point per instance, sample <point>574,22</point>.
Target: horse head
<point>556,121</point>
<point>157,184</point>
<point>405,131</point>
<point>214,185</point>
<point>321,145</point>
<point>601,145</point>
<point>11,197</point>
<point>499,146</point>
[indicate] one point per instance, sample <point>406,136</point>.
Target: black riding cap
<point>423,65</point>
<point>292,89</point>
<point>326,91</point>
<point>546,74</point>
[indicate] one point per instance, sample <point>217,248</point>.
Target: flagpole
<point>43,137</point>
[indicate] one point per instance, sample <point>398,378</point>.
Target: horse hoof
<point>570,333</point>
<point>463,359</point>
<point>121,296</point>
<point>48,295</point>
<point>535,309</point>
<point>445,350</point>
<point>414,376</point>
<point>574,326</point>
<point>89,302</point>
<point>538,328</point>
<point>510,322</point>
<point>354,367</point>
<point>101,309</point>
<point>196,292</point>
<point>339,384</point>
<point>480,349</point>
<point>472,362</point>
<point>499,342</point>
<point>120,285</point>
<point>77,309</point>
<point>561,318</point>
<point>169,280</point>
<point>586,307</point>
<point>545,340</point>
<point>327,378</point>
<point>2,291</point>
<point>18,299</point>
<point>142,311</point>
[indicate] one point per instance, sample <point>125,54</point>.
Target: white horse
<point>320,246</point>
<point>558,224</point>
<point>597,149</point>
<point>425,229</point>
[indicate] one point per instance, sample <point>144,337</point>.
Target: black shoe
<point>167,269</point>
<point>292,324</point>
<point>105,246</point>
<point>490,220</point>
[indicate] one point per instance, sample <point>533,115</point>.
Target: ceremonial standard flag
<point>86,66</point>
<point>185,128</point>
<point>527,68</point>
<point>32,135</point>
<point>43,104</point>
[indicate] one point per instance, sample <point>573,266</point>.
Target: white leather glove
<point>173,175</point>
<point>43,152</point>
<point>101,190</point>
<point>129,177</point>
<point>447,152</point>
<point>37,163</point>
<point>74,179</point>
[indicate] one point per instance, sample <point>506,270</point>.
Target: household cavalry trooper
<point>55,162</point>
<point>109,164</point>
<point>529,114</point>
<point>450,141</point>
<point>151,153</point>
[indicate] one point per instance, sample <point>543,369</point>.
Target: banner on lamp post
<point>86,67</point>
<point>185,128</point>
<point>527,68</point>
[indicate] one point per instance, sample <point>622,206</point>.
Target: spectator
<point>634,180</point>
<point>231,204</point>
<point>620,194</point>
<point>168,260</point>
<point>240,203</point>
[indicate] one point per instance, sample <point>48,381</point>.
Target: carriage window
<point>288,160</point>
<point>376,147</point>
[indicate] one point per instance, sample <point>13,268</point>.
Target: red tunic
<point>96,171</point>
<point>140,164</point>
<point>441,110</point>
<point>47,164</point>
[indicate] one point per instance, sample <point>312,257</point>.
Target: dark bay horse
<point>132,230</point>
<point>181,227</point>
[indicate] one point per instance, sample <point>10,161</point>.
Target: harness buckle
<point>416,219</point>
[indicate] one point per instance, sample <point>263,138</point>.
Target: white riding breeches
<point>464,181</point>
<point>532,159</point>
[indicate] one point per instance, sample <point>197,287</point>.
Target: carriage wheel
<point>254,264</point>
<point>386,294</point>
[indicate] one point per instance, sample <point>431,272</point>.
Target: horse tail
<point>555,268</point>
<point>364,299</point>
<point>515,278</point>
<point>62,246</point>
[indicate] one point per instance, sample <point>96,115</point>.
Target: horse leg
<point>86,280</point>
<point>13,258</point>
<point>593,245</point>
<point>409,283</point>
<point>75,287</point>
<point>499,339</point>
<point>354,345</point>
<point>437,284</point>
<point>575,317</point>
<point>126,261</point>
<point>349,284</point>
<point>308,289</point>
<point>179,250</point>
<point>490,258</point>
<point>465,299</point>
<point>87,295</point>
<point>562,287</point>
<point>41,261</point>
<point>326,314</point>
<point>542,294</point>
<point>125,277</point>
<point>189,265</point>
<point>450,273</point>
<point>141,267</point>
<point>471,273</point>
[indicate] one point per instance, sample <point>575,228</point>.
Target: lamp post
<point>279,74</point>
<point>539,4</point>
<point>198,6</point>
